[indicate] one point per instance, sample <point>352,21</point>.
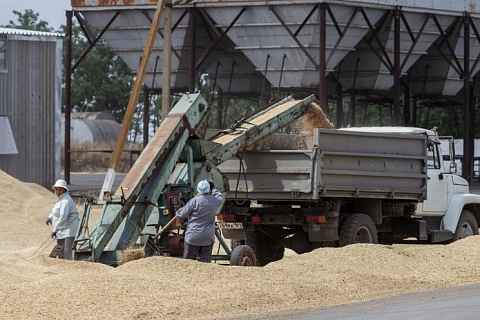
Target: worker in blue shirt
<point>200,212</point>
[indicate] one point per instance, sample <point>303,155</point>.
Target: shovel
<point>56,249</point>
<point>165,227</point>
<point>149,247</point>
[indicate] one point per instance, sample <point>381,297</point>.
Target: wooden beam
<point>127,120</point>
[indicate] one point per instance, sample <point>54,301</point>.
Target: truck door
<point>437,184</point>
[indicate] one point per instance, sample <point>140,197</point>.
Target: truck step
<point>441,236</point>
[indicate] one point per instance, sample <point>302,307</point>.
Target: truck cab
<point>443,182</point>
<point>450,211</point>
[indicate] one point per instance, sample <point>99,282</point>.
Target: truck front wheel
<point>467,226</point>
<point>357,228</point>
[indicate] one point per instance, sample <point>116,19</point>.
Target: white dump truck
<point>354,185</point>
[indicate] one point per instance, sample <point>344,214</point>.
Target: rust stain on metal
<point>473,6</point>
<point>105,3</point>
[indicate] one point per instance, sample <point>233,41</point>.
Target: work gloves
<point>211,185</point>
<point>53,234</point>
<point>48,221</point>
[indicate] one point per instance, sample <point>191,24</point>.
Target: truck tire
<point>266,248</point>
<point>243,255</point>
<point>357,228</point>
<point>393,209</point>
<point>235,243</point>
<point>467,226</point>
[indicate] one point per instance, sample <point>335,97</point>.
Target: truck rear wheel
<point>467,226</point>
<point>357,228</point>
<point>243,255</point>
<point>235,243</point>
<point>266,248</point>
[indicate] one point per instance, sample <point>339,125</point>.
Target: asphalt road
<point>458,303</point>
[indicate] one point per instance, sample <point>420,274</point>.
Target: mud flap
<point>410,228</point>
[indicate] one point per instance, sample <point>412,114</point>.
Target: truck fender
<point>458,203</point>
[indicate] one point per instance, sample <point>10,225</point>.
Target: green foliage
<point>102,81</point>
<point>28,21</point>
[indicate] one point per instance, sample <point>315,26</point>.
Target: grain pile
<point>299,134</point>
<point>37,287</point>
<point>315,118</point>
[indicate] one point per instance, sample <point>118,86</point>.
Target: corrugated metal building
<point>30,97</point>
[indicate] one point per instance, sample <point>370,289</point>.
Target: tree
<point>102,81</point>
<point>28,21</point>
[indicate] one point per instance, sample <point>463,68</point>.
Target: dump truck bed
<point>340,164</point>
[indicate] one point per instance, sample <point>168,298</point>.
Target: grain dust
<point>35,286</point>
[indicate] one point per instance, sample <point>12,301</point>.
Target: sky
<point>51,11</point>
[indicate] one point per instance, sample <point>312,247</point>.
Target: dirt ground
<point>35,286</point>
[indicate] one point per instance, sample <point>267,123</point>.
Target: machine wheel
<point>243,255</point>
<point>467,226</point>
<point>358,228</point>
<point>266,248</point>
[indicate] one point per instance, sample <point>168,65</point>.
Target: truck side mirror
<point>453,166</point>
<point>451,154</point>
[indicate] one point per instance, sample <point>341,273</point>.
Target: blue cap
<point>203,187</point>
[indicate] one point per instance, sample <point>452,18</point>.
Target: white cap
<point>203,187</point>
<point>60,184</point>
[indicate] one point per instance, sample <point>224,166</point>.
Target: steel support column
<point>167,58</point>
<point>406,106</point>
<point>68,94</point>
<point>468,115</point>
<point>192,43</point>
<point>396,69</point>
<point>339,98</point>
<point>146,114</point>
<point>322,63</point>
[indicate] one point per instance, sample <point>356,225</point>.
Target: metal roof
<point>29,32</point>
<point>471,6</point>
